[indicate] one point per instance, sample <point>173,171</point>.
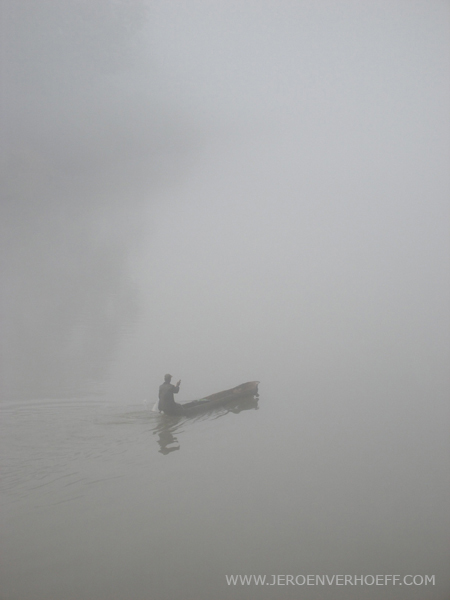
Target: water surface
<point>107,499</point>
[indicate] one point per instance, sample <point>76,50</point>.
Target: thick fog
<point>234,191</point>
<point>267,184</point>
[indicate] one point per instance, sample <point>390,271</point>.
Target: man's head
<point>167,378</point>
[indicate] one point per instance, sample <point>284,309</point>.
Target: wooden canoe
<point>240,392</point>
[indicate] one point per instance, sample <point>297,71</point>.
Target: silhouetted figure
<point>166,402</point>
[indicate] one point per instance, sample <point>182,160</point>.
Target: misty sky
<point>259,189</point>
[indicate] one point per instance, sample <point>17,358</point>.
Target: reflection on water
<point>54,451</point>
<point>88,496</point>
<point>165,433</point>
<point>86,471</point>
<point>167,426</point>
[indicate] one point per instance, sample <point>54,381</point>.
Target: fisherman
<point>166,402</point>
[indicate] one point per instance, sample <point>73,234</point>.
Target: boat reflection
<point>170,426</point>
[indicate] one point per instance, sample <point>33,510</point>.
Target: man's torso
<point>166,400</point>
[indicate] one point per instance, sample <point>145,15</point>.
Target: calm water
<point>105,499</point>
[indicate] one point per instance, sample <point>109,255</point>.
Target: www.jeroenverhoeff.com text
<point>366,580</point>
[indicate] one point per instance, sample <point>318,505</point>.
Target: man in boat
<point>166,401</point>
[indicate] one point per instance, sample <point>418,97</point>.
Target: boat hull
<point>237,394</point>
